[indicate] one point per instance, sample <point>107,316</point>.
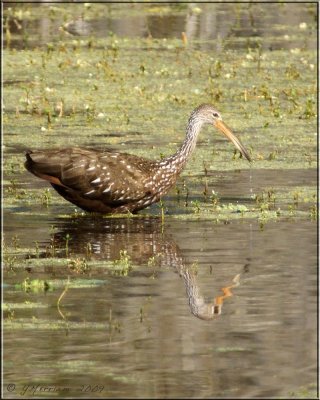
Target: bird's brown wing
<point>111,177</point>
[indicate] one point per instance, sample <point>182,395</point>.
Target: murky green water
<point>219,298</point>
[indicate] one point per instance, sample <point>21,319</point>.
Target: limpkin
<point>111,182</point>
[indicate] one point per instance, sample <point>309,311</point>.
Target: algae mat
<point>107,306</point>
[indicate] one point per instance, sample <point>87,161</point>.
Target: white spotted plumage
<point>97,180</point>
<point>112,182</point>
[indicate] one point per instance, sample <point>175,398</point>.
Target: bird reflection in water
<point>143,239</point>
<point>198,306</point>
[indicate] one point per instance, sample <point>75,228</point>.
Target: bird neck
<point>182,155</point>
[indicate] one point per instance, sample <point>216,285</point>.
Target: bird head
<point>207,114</point>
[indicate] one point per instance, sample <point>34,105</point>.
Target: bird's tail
<point>42,164</point>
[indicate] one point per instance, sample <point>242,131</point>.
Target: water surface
<point>212,294</point>
<point>137,336</point>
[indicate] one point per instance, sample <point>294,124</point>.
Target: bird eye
<point>215,114</point>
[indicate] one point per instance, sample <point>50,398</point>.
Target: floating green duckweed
<point>25,305</point>
<point>36,285</point>
<point>76,85</point>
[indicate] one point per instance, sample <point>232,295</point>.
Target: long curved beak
<point>222,127</point>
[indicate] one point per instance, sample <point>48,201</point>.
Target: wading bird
<point>110,182</point>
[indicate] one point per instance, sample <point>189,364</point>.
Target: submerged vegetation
<point>120,87</point>
<point>136,93</point>
<point>73,84</point>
